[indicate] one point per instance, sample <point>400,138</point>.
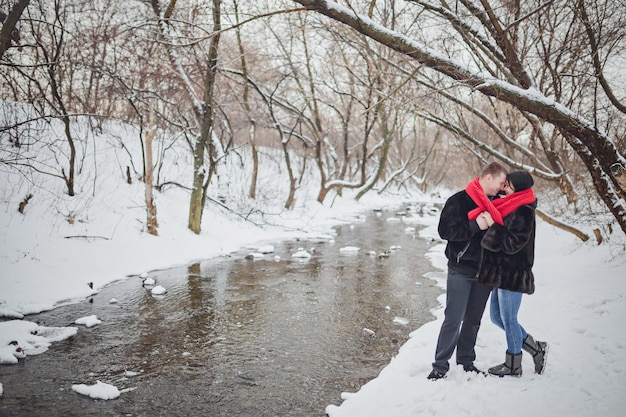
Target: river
<point>239,337</point>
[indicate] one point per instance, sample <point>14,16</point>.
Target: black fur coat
<point>509,252</point>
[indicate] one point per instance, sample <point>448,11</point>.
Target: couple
<point>490,250</point>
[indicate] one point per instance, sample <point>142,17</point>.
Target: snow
<point>349,250</point>
<point>88,321</point>
<point>20,338</point>
<point>401,320</point>
<point>301,253</point>
<point>158,290</point>
<point>99,390</point>
<point>578,307</point>
<point>266,249</point>
<point>148,281</point>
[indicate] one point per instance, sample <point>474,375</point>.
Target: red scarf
<point>498,208</point>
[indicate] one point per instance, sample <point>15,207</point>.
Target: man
<point>465,296</point>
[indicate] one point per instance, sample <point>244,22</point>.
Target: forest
<point>372,94</point>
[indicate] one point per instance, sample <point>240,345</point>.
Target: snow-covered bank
<point>578,307</point>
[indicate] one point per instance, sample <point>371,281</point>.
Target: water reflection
<point>240,337</point>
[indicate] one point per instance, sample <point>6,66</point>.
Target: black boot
<point>539,352</point>
<point>512,366</point>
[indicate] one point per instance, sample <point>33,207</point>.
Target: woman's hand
<point>482,222</point>
<point>487,217</point>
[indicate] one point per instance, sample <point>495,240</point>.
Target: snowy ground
<point>578,307</point>
<point>47,260</point>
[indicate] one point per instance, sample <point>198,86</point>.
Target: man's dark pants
<point>465,303</point>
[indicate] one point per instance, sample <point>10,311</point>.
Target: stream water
<point>235,336</point>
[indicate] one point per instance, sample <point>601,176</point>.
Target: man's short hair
<point>493,168</point>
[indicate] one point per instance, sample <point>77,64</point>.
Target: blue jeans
<point>504,307</point>
<point>466,299</point>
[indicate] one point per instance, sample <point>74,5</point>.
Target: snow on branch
<point>529,99</point>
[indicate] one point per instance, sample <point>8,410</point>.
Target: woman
<point>508,257</point>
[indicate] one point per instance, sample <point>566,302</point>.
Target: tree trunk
<point>203,142</point>
<point>554,222</point>
<point>255,160</point>
<point>151,210</point>
<point>9,24</point>
<point>382,162</point>
<point>51,67</point>
<point>246,107</point>
<point>291,198</point>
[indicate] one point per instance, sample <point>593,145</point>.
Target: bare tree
<point>203,108</point>
<point>509,80</point>
<point>46,79</point>
<point>247,109</point>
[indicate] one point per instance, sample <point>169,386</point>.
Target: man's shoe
<point>472,368</point>
<point>435,375</point>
